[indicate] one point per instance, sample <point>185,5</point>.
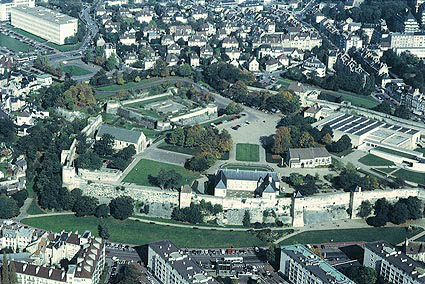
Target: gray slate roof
<point>120,134</point>
<point>308,153</point>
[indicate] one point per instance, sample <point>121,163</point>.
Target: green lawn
<point>26,34</point>
<point>355,99</point>
<point>65,47</point>
<point>420,150</point>
<point>126,86</point>
<point>384,170</point>
<point>178,149</point>
<point>375,161</point>
<point>284,82</point>
<point>14,44</point>
<point>75,70</point>
<point>392,235</point>
<point>248,152</point>
<point>395,153</point>
<point>138,233</point>
<point>141,172</point>
<point>146,102</point>
<point>33,209</point>
<point>410,176</point>
<point>246,167</point>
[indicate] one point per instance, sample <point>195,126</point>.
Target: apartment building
<point>393,265</point>
<point>170,265</point>
<point>45,23</point>
<point>300,265</point>
<point>5,7</point>
<point>411,42</point>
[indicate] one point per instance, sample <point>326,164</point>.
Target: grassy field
<point>395,153</point>
<point>134,232</point>
<point>248,152</point>
<point>355,99</point>
<point>75,70</point>
<point>126,86</point>
<point>13,44</point>
<point>284,82</point>
<point>26,34</point>
<point>384,170</point>
<point>65,47</point>
<point>375,161</point>
<point>33,209</point>
<point>410,176</point>
<point>245,167</point>
<point>140,173</point>
<point>392,235</point>
<point>178,149</point>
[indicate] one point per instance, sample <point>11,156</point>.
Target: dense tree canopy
<point>8,207</point>
<point>121,207</point>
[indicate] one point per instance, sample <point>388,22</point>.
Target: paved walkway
<point>23,210</point>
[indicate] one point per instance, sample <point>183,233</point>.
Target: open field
<point>410,176</point>
<point>178,149</point>
<point>126,86</point>
<point>395,153</point>
<point>375,161</point>
<point>355,99</point>
<point>65,47</point>
<point>75,70</point>
<point>248,152</point>
<point>392,235</point>
<point>134,232</point>
<point>145,168</point>
<point>13,44</point>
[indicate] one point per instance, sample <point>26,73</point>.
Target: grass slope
<point>75,70</point>
<point>145,168</point>
<point>375,161</point>
<point>14,44</point>
<point>138,233</point>
<point>410,176</point>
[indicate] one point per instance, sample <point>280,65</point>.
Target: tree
<point>104,146</point>
<point>80,95</point>
<point>102,211</point>
<point>5,269</point>
<point>111,62</point>
<point>121,207</point>
<point>7,130</point>
<point>8,207</point>
<point>306,140</point>
<point>326,139</point>
<point>85,206</point>
<point>402,111</point>
<point>89,160</point>
<point>185,70</point>
<point>361,274</point>
<point>169,179</point>
<point>382,208</point>
<point>12,273</point>
<point>103,231</point>
<point>383,107</point>
<point>282,140</point>
<point>414,206</point>
<point>233,108</point>
<point>365,209</point>
<point>128,274</point>
<point>176,137</point>
<point>399,213</point>
<point>20,197</point>
<point>343,144</point>
<point>246,219</point>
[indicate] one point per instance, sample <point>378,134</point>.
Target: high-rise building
<point>6,5</point>
<point>45,23</point>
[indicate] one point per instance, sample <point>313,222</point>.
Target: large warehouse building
<point>6,5</point>
<point>366,132</point>
<point>45,23</point>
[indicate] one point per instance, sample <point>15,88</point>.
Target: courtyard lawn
<point>393,235</point>
<point>138,233</point>
<point>75,70</point>
<point>145,168</point>
<point>355,99</point>
<point>246,167</point>
<point>410,176</point>
<point>65,47</point>
<point>179,149</point>
<point>248,152</point>
<point>375,161</point>
<point>14,44</point>
<point>395,153</point>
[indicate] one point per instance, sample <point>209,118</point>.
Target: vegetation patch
<point>126,86</point>
<point>375,161</point>
<point>138,233</point>
<point>246,167</point>
<point>248,152</point>
<point>354,99</point>
<point>179,149</point>
<point>65,47</point>
<point>75,70</point>
<point>392,235</point>
<point>14,44</point>
<point>143,172</point>
<point>410,176</point>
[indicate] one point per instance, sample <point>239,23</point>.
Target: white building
<point>5,7</point>
<point>123,137</point>
<point>301,266</point>
<point>411,42</point>
<point>45,23</point>
<point>308,157</point>
<point>254,66</point>
<point>393,266</point>
<point>170,265</point>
